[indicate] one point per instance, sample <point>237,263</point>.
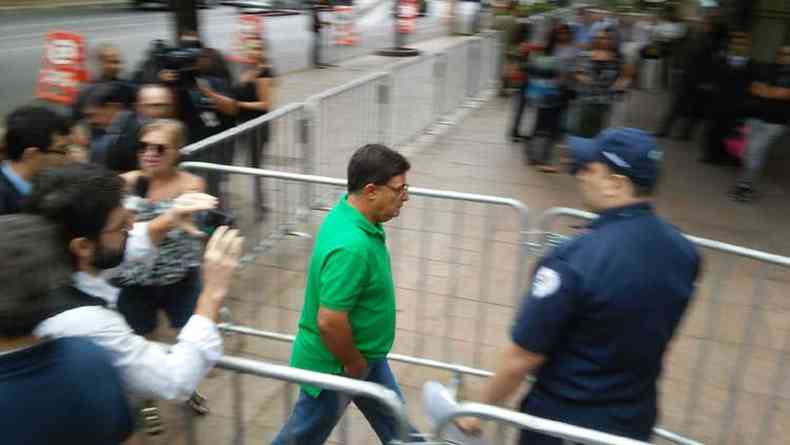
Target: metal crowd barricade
<point>355,388</point>
<point>525,421</point>
<point>727,368</point>
<point>458,260</point>
<point>262,211</point>
<point>459,372</point>
<point>415,86</point>
<point>347,117</point>
<point>455,74</point>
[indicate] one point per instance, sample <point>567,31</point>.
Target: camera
<point>181,60</point>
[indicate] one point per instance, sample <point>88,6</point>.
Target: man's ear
<point>369,191</point>
<point>82,247</point>
<point>30,153</point>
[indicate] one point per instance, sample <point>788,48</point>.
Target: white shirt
<point>148,369</point>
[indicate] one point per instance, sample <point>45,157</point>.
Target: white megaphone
<point>438,402</point>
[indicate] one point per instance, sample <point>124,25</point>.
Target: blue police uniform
<point>602,308</point>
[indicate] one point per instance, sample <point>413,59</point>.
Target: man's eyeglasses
<point>159,148</point>
<point>400,191</point>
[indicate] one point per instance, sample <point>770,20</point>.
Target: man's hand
<point>469,425</point>
<point>356,369</point>
<point>184,208</point>
<point>219,263</point>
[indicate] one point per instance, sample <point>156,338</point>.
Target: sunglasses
<point>160,149</point>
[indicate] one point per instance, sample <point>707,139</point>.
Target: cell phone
<point>210,220</point>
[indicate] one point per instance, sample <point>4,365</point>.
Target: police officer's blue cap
<point>629,151</point>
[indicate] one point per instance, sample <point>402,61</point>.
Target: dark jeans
<point>592,119</point>
<point>521,105</point>
<point>256,144</point>
<point>548,127</point>
<point>313,419</point>
<point>218,154</point>
<point>139,304</point>
<point>316,49</point>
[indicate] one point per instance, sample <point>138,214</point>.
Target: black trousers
<point>521,105</point>
<point>316,49</point>
<point>721,124</point>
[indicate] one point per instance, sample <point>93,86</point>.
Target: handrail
<point>325,180</point>
<point>347,86</point>
<point>550,215</point>
<point>386,396</point>
<point>239,129</point>
<point>428,363</point>
<point>526,421</point>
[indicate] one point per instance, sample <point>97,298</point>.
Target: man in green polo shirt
<point>347,325</point>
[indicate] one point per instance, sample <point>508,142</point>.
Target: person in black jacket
<point>35,139</point>
<point>734,73</point>
<point>110,64</point>
<point>695,88</point>
<point>116,148</point>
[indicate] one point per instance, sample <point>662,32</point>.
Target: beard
<point>106,258</point>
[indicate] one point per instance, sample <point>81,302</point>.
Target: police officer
<point>604,305</point>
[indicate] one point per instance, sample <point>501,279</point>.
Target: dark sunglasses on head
<point>159,148</point>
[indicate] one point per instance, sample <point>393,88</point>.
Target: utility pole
<point>185,16</point>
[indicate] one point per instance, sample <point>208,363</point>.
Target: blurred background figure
<point>734,73</point>
<point>600,75</point>
<point>550,81</point>
<point>36,138</point>
<point>251,97</point>
<point>110,64</point>
<point>115,142</point>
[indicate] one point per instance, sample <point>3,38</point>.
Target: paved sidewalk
<point>476,157</point>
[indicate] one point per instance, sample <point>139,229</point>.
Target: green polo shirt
<point>349,271</point>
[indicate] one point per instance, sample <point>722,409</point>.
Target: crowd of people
<point>97,240</point>
<point>576,72</point>
<point>122,233</point>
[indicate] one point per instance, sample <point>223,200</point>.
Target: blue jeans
<point>762,136</point>
<point>313,419</point>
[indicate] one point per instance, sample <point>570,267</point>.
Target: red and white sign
<point>345,32</point>
<point>248,30</point>
<point>62,68</point>
<point>407,16</point>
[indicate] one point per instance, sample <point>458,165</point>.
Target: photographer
<point>252,97</point>
<point>178,69</point>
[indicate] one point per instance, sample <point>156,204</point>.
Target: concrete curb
<point>35,5</point>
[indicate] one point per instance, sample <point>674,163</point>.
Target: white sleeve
<point>138,245</point>
<point>148,369</point>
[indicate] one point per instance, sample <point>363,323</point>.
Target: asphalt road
<point>22,37</point>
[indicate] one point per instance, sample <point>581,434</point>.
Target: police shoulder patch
<point>546,282</point>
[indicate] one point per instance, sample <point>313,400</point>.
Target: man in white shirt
<point>85,201</point>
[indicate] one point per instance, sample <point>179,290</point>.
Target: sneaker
<point>743,194</point>
<point>152,419</point>
<point>198,403</point>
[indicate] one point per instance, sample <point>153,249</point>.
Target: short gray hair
<point>34,261</point>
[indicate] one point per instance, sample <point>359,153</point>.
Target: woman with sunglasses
<point>171,282</point>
